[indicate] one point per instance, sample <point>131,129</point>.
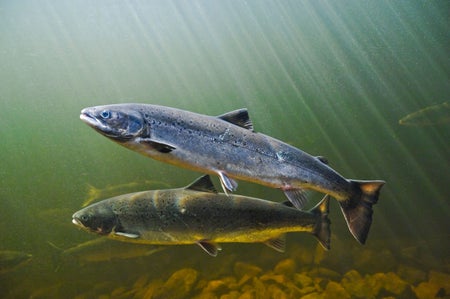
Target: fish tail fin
<point>322,228</point>
<point>357,209</point>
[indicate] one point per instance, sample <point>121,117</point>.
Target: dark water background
<point>332,78</point>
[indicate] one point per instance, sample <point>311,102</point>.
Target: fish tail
<point>322,228</point>
<point>357,209</point>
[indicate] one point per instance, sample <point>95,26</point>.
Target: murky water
<point>332,78</point>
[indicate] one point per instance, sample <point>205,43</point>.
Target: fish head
<point>119,122</point>
<point>98,218</point>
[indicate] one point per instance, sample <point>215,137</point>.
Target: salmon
<point>198,214</point>
<point>227,146</point>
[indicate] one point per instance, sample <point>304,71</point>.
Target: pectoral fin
<point>297,197</point>
<point>279,244</point>
<point>160,147</point>
<point>127,235</point>
<point>210,247</point>
<point>227,183</point>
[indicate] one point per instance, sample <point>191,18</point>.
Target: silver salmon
<point>198,214</point>
<point>228,146</point>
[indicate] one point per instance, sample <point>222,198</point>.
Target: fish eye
<point>84,218</point>
<point>105,114</point>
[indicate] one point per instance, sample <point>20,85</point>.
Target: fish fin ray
<point>357,209</point>
<point>203,184</point>
<point>278,243</point>
<point>210,247</point>
<point>297,197</point>
<point>239,118</point>
<point>227,182</point>
<point>322,228</point>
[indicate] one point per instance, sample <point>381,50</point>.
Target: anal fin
<point>279,243</point>
<point>297,197</point>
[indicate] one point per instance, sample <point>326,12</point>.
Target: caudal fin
<point>357,209</point>
<point>322,228</point>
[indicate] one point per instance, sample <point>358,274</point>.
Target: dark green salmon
<point>11,260</point>
<point>199,215</point>
<point>227,146</point>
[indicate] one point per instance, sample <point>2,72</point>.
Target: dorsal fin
<point>202,184</point>
<point>239,118</point>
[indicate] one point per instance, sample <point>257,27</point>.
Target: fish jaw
<point>77,222</point>
<point>87,117</point>
<point>80,224</point>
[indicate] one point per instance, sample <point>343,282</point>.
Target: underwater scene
<point>362,88</point>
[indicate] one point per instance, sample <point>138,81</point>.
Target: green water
<point>332,78</point>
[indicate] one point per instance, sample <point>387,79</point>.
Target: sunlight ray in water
<point>331,78</point>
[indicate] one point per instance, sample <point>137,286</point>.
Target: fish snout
<point>77,222</point>
<point>87,115</point>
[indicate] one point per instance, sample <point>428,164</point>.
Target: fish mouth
<point>77,222</point>
<point>89,119</point>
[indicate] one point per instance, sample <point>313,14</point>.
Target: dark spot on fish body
<point>120,208</point>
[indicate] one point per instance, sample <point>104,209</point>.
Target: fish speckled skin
<point>198,214</point>
<point>227,146</point>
